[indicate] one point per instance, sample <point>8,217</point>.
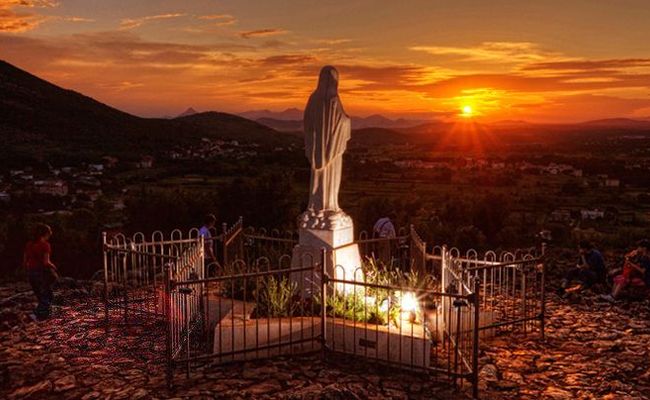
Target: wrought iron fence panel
<point>402,323</point>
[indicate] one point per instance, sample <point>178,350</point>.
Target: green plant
<point>357,307</point>
<point>375,304</point>
<point>276,298</point>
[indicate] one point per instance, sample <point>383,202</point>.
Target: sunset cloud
<point>131,23</point>
<point>15,17</point>
<point>200,56</point>
<point>498,52</point>
<point>262,33</point>
<point>219,19</point>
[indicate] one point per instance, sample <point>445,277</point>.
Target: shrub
<point>276,298</point>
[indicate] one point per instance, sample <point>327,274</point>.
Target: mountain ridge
<point>40,121</point>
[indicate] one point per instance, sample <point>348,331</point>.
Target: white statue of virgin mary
<point>327,131</point>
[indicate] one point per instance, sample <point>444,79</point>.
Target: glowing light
<point>467,111</point>
<point>409,303</point>
<point>409,306</point>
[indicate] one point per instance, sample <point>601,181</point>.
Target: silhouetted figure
<point>41,271</point>
<point>384,229</point>
<point>589,270</point>
<point>208,242</point>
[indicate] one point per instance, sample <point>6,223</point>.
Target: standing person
<point>41,271</point>
<point>384,229</point>
<point>589,270</point>
<point>636,270</point>
<point>208,243</point>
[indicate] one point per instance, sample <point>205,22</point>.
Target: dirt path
<point>593,351</point>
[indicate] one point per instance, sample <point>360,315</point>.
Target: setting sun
<point>467,111</point>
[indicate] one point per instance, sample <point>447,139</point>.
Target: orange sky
<point>546,61</point>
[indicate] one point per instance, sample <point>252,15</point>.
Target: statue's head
<point>328,81</point>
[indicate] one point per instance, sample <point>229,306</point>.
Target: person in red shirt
<point>41,271</point>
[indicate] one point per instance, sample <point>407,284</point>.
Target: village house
<point>89,194</point>
<point>110,161</point>
<point>87,180</point>
<point>594,214</point>
<point>561,215</point>
<point>52,187</point>
<point>96,169</point>
<point>145,162</point>
<point>24,178</point>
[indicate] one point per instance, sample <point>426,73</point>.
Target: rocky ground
<point>593,351</point>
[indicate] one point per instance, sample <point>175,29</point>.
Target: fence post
<point>168,332</point>
<point>324,278</point>
<point>542,316</point>
<point>524,310</point>
<point>105,250</point>
<point>205,300</point>
<point>125,284</point>
<point>443,267</point>
<point>224,243</point>
<point>475,342</point>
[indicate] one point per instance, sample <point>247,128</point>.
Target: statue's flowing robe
<point>327,131</point>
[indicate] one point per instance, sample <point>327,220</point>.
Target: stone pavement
<point>593,351</point>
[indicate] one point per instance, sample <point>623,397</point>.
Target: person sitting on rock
<point>41,271</point>
<point>635,272</point>
<point>589,270</point>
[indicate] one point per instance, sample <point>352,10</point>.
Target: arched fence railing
<point>407,305</point>
<point>512,295</point>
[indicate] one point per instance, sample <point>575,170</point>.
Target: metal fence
<point>236,244</point>
<point>511,296</point>
<point>134,270</point>
<point>395,319</point>
<point>405,306</point>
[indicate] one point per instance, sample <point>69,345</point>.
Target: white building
<point>592,214</point>
<point>53,187</point>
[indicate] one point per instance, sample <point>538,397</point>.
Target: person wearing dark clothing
<point>41,271</point>
<point>589,270</point>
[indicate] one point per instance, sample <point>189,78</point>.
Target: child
<point>40,269</point>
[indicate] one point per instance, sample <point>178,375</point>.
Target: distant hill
<point>282,125</point>
<point>624,123</point>
<point>189,111</point>
<point>379,121</point>
<point>368,137</point>
<point>232,127</point>
<point>290,120</point>
<point>287,115</point>
<point>40,121</point>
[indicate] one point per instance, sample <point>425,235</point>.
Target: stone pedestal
<point>333,232</point>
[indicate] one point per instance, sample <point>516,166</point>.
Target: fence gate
<point>139,283</point>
